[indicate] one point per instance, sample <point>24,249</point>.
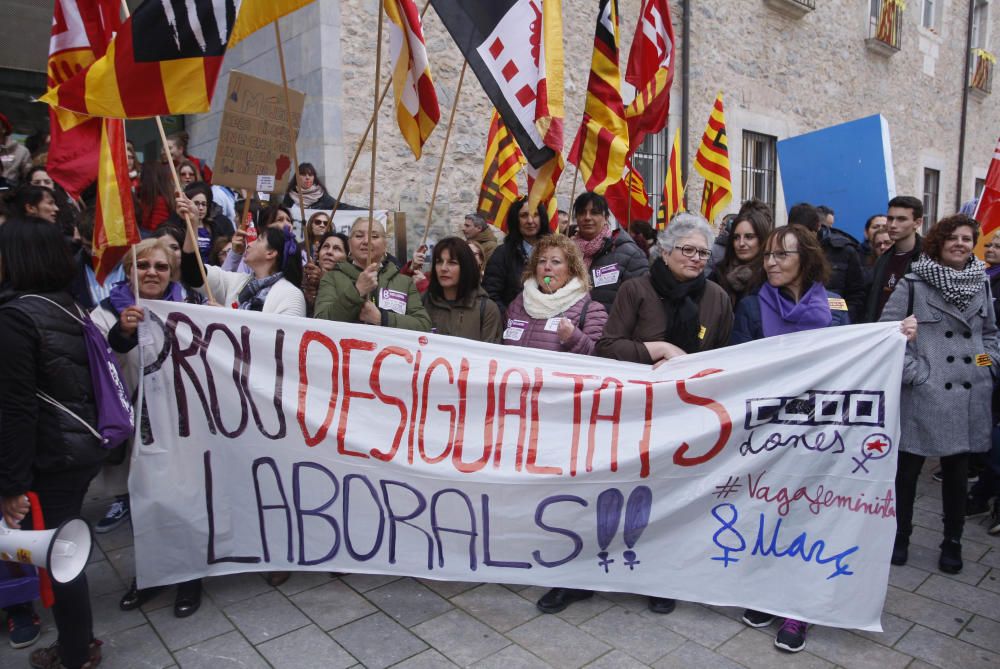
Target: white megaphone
<point>63,552</point>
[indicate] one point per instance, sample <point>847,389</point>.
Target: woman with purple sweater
<point>554,312</point>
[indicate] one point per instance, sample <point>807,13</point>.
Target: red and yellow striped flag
<point>712,162</point>
<point>673,186</point>
<point>115,228</point>
<point>601,145</point>
<point>549,111</point>
<point>627,199</point>
<point>417,111</point>
<point>499,186</point>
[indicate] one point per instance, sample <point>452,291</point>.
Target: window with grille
<point>980,22</point>
<point>932,183</point>
<point>650,159</point>
<point>760,168</point>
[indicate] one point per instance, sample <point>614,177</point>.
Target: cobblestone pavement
<point>930,620</point>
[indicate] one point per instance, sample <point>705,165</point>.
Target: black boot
<point>900,550</point>
<point>557,599</point>
<point>950,561</point>
<point>135,597</point>
<point>188,598</point>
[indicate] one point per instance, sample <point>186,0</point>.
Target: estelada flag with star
<point>988,208</point>
<point>515,49</point>
<point>712,163</point>
<point>165,59</point>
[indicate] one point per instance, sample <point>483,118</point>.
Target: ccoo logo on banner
<point>757,476</point>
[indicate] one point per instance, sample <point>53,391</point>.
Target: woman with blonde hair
<point>554,311</point>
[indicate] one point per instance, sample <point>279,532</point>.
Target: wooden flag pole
<point>187,216</point>
<point>291,126</point>
<point>444,152</point>
<point>371,180</point>
<point>572,193</point>
<point>364,136</point>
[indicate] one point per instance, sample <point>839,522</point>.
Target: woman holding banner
<point>555,312</point>
<point>331,249</point>
<point>948,377</point>
<point>457,304</point>
<point>502,278</point>
<point>367,288</point>
<point>43,448</point>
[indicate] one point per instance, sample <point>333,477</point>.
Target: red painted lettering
<point>309,337</point>
<point>348,345</point>
<point>725,422</point>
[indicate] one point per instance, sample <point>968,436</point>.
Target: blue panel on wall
<point>847,167</point>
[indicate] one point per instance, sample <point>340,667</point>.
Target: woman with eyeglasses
<point>478,253</point>
<point>118,317</point>
<point>674,309</point>
<point>740,271</point>
<point>314,229</point>
<point>368,287</point>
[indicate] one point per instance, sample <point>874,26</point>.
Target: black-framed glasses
<point>780,256</point>
<point>689,251</point>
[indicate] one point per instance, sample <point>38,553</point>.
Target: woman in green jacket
<point>376,293</point>
<point>457,304</point>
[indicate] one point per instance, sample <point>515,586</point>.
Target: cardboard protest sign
<point>254,150</point>
<point>759,475</point>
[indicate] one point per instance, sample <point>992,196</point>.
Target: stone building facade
<point>786,67</point>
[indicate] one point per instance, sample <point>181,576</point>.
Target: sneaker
<point>23,625</point>
<point>117,514</point>
<point>792,636</point>
<point>976,506</point>
<point>994,527</point>
<point>48,658</point>
<point>757,618</point>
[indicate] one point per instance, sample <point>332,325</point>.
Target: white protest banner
<point>759,475</point>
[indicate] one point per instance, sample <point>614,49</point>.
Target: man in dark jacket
<point>904,218</point>
<point>841,249</point>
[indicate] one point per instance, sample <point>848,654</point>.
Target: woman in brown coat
<point>457,304</point>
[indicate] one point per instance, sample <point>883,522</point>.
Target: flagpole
<point>291,126</point>
<point>371,180</point>
<point>364,136</point>
<point>187,215</point>
<point>177,186</point>
<point>444,152</point>
<point>572,192</point>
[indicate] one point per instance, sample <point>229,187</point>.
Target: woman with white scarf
<point>948,376</point>
<point>308,187</point>
<point>555,312</point>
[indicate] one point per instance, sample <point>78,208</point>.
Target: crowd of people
<point>584,286</point>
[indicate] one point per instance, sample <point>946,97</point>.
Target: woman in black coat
<point>42,447</point>
<point>502,279</point>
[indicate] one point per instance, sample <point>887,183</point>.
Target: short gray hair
<point>477,221</point>
<point>682,225</point>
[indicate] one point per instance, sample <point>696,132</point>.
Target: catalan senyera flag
<point>602,143</point>
<point>712,162</point>
<point>165,59</point>
<point>988,208</point>
<point>417,111</point>
<point>114,223</point>
<point>255,14</point>
<point>673,185</point>
<point>651,70</point>
<point>500,168</point>
<point>81,30</point>
<point>631,186</point>
<point>514,47</point>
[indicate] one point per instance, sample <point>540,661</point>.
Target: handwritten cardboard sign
<point>254,144</point>
<point>756,476</point>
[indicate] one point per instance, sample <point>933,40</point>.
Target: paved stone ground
<point>313,620</point>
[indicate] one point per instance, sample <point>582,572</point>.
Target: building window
<point>930,14</point>
<point>760,168</point>
<point>978,189</point>
<point>650,160</point>
<point>932,184</point>
<point>885,26</point>
<point>980,23</point>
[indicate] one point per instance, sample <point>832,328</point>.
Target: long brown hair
<point>813,265</point>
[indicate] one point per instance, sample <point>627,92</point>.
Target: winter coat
<point>878,279</point>
<point>476,318</point>
<point>502,278</point>
<point>619,260</point>
<point>283,298</point>
<point>487,240</point>
<point>338,299</point>
<point>326,202</point>
<point>748,323</point>
<point>847,278</point>
<point>945,402</point>
<point>523,330</point>
<point>638,316</point>
<point>43,351</point>
<point>15,161</point>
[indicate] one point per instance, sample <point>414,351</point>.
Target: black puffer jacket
<point>619,252</point>
<point>502,278</point>
<point>43,350</point>
<point>847,278</point>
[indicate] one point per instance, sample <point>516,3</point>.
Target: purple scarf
<point>121,295</point>
<point>992,271</point>
<point>779,315</point>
